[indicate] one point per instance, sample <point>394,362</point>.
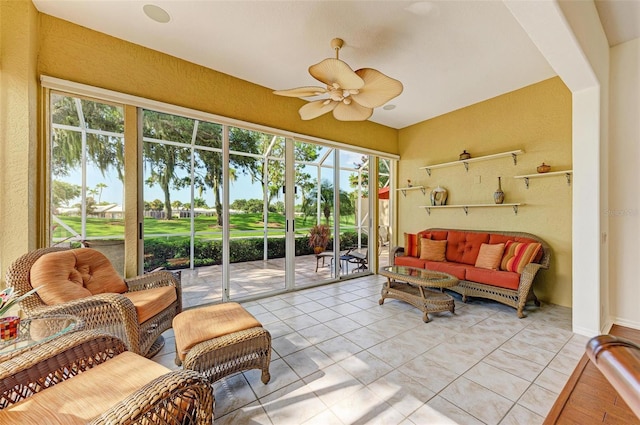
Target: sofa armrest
<point>526,281</point>
<point>396,251</point>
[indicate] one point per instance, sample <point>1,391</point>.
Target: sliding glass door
<point>233,208</point>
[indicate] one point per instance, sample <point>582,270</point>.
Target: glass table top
<point>34,331</point>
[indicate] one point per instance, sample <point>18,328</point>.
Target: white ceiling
<point>448,54</point>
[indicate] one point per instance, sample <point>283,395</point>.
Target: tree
<point>210,164</point>
<point>99,188</point>
<point>106,152</point>
<point>199,203</point>
<point>62,193</point>
<point>326,201</point>
<point>164,161</point>
<point>156,205</point>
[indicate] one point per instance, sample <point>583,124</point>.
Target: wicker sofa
<point>460,259</point>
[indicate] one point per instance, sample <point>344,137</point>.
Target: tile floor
<point>341,358</point>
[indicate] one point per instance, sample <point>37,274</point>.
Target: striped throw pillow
<point>518,254</point>
<point>490,256</point>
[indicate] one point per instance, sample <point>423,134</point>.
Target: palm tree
<point>309,204</point>
<point>99,188</point>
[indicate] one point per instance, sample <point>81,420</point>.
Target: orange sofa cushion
<point>501,279</point>
<point>437,235</point>
<point>455,269</point>
<point>86,396</point>
<point>64,276</point>
<point>150,302</point>
<point>405,260</point>
<point>197,325</point>
<point>463,247</point>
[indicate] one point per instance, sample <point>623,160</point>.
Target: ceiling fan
<point>352,95</point>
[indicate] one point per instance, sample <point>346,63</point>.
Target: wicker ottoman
<point>221,339</point>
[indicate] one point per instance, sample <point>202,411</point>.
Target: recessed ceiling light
<point>422,8</point>
<point>389,107</point>
<point>156,13</point>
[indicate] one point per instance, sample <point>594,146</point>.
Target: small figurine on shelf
<point>464,155</point>
<point>409,183</point>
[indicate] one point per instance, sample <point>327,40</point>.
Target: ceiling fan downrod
<point>337,44</point>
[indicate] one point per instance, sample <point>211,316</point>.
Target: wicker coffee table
<point>410,284</point>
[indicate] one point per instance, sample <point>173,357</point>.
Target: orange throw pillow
<point>432,250</point>
<point>518,254</point>
<point>490,256</point>
<point>411,246</point>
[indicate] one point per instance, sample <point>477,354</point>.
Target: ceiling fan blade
<point>306,91</point>
<point>378,88</point>
<point>334,71</point>
<point>351,112</point>
<point>316,108</point>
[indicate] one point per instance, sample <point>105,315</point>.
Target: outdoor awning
<point>383,193</point>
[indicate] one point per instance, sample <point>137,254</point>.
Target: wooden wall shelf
<point>405,189</point>
<point>526,177</point>
<point>514,154</point>
<point>466,207</point>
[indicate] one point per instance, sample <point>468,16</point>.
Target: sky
<point>242,188</point>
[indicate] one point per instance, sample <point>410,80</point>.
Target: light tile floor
<point>341,358</point>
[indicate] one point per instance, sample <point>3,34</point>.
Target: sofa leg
<point>464,298</point>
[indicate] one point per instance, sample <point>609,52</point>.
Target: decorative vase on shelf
<point>439,196</point>
<point>498,195</point>
<point>464,155</point>
<point>544,168</point>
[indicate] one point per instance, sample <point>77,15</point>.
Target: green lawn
<point>241,225</point>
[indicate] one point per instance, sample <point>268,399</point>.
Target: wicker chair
<point>69,380</point>
<point>112,312</point>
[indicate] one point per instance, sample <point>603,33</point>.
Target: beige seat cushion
<point>82,398</point>
<point>197,325</point>
<point>150,302</point>
<point>64,276</point>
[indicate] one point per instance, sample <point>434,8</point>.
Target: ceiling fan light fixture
<point>352,94</point>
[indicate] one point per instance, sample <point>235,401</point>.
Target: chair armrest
<point>113,313</point>
<point>154,279</point>
<point>174,397</point>
<point>56,361</point>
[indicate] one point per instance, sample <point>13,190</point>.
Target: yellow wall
<point>18,130</point>
<point>536,119</point>
<point>75,53</point>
